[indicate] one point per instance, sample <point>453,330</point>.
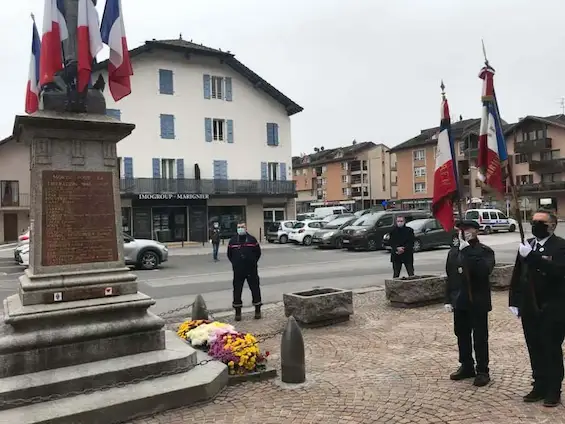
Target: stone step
<point>19,390</point>
<point>121,404</point>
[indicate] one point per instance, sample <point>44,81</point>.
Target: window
<point>385,221</point>
<point>218,129</point>
<point>501,215</point>
<point>539,134</point>
<point>324,181</point>
<point>420,171</point>
<point>165,81</point>
<point>485,215</point>
<point>10,193</point>
<point>550,178</point>
<point>324,169</point>
<point>217,86</point>
<point>346,191</point>
<point>272,134</point>
<point>520,158</point>
<point>296,172</point>
<point>273,170</point>
<point>228,217</point>
<point>345,179</point>
<point>167,126</point>
<point>344,166</point>
<point>304,171</point>
<point>493,215</point>
<point>532,135</point>
<point>472,215</point>
<point>524,179</point>
<point>553,154</point>
<point>314,225</point>
<point>420,188</point>
<point>167,168</point>
<point>419,155</point>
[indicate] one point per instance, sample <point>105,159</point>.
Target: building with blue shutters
<point>212,143</point>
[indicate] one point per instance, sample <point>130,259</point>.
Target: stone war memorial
<point>78,343</point>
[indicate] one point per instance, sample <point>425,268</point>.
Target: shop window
<point>228,218</point>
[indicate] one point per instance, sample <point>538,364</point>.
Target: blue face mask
<point>241,231</point>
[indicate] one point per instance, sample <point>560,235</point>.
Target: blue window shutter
<point>228,89</point>
<point>128,167</point>
<point>167,126</point>
<point>264,171</point>
<point>276,134</point>
<point>229,125</point>
<point>180,168</point>
<point>166,81</point>
<point>217,169</point>
<point>270,135</point>
<point>208,129</point>
<point>282,167</point>
<point>207,86</point>
<point>224,170</point>
<point>156,168</point>
<point>114,113</point>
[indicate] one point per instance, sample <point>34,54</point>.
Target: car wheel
<point>488,230</point>
<point>149,260</point>
<point>338,243</point>
<point>307,241</point>
<point>417,245</point>
<point>512,228</point>
<point>283,239</point>
<point>372,244</point>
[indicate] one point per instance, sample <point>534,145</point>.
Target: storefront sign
<point>176,196</point>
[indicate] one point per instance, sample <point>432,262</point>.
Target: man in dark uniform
<point>537,295</point>
<point>402,247</point>
<point>244,253</point>
<point>215,240</point>
<point>467,294</point>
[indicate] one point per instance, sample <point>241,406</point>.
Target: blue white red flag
<point>54,32</point>
<point>89,41</point>
<point>33,87</point>
<point>114,35</point>
<point>445,175</point>
<point>492,159</point>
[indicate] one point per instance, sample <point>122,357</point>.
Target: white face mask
<point>455,242</point>
<point>400,224</point>
<point>467,235</point>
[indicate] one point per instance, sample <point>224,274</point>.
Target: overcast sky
<point>368,70</point>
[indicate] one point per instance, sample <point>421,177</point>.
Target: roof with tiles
<point>337,154</point>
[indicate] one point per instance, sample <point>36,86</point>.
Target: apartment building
<point>212,143</point>
<point>357,175</point>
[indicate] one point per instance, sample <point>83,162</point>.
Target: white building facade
<point>212,143</point>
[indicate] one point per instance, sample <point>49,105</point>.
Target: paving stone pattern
<point>386,365</point>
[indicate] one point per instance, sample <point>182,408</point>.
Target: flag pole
<point>509,173</point>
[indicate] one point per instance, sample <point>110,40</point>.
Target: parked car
<point>332,233</point>
<point>23,238</point>
<point>305,216</point>
<point>303,231</point>
<point>278,231</point>
<point>490,220</point>
<point>429,234</point>
<point>331,218</point>
<point>368,230</point>
<point>321,213</point>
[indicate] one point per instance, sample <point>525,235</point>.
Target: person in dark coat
<point>244,253</point>
<point>402,247</point>
<point>537,296</point>
<point>468,295</point>
<point>215,240</point>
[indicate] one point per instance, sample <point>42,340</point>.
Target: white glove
<point>525,249</point>
<point>463,244</point>
<point>514,310</point>
<point>448,308</point>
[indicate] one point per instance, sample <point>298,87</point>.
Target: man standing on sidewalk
<point>215,240</point>
<point>244,253</point>
<point>402,247</point>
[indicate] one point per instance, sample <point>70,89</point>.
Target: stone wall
<point>501,275</point>
<point>415,291</point>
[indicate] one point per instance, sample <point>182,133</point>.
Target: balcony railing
<point>19,200</point>
<point>543,186</point>
<point>210,187</point>
<point>548,166</point>
<point>532,146</point>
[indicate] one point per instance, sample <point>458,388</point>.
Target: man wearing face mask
<point>468,296</point>
<point>244,253</point>
<point>215,240</point>
<point>402,247</point>
<point>537,296</point>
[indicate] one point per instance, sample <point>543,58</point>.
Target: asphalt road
<point>283,269</point>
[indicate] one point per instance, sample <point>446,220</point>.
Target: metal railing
<point>531,146</point>
<point>18,200</point>
<point>543,186</point>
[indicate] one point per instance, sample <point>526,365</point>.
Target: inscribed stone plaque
<point>79,224</point>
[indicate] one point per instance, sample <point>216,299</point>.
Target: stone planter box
<point>319,306</point>
<point>501,275</point>
<point>411,292</point>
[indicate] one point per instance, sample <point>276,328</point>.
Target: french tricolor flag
<point>89,41</point>
<point>54,32</point>
<point>33,87</point>
<point>114,35</point>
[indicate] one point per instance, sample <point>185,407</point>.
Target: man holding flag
<point>468,265</point>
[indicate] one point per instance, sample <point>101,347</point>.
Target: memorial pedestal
<point>78,321</point>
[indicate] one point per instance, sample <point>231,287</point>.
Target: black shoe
<point>551,401</point>
<point>482,379</point>
<point>462,373</point>
<point>534,396</point>
<point>257,312</point>
<point>238,314</point>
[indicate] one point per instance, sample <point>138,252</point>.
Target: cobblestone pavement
<point>385,366</point>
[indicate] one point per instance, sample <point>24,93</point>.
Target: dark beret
<point>468,223</point>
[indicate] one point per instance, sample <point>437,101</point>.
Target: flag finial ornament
<point>442,86</point>
<point>32,16</point>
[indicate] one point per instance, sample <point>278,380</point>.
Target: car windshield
<point>274,226</point>
<point>298,225</point>
<point>368,220</point>
<point>417,224</point>
<point>336,223</point>
<point>127,237</point>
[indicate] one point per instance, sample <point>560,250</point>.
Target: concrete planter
<point>411,292</point>
<point>501,276</point>
<point>319,306</point>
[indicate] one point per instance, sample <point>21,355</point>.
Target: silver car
<point>144,254</point>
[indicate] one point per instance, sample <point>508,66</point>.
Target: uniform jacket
<point>538,281</point>
<point>402,237</point>
<point>215,235</point>
<point>468,277</point>
<point>244,251</point>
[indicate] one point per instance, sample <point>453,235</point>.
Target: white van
<point>491,220</point>
<point>321,213</point>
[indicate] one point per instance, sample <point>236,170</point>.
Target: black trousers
<point>544,338</point>
<point>471,329</point>
<point>397,266</point>
<point>252,276</point>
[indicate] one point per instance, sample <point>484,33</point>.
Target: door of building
<point>10,227</point>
